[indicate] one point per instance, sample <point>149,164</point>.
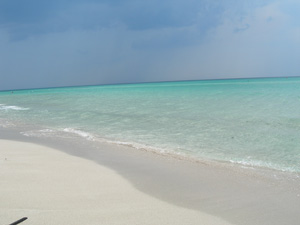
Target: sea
<point>248,122</point>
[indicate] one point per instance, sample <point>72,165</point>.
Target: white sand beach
<point>52,187</point>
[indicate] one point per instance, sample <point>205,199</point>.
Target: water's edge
<point>210,187</point>
<point>253,122</point>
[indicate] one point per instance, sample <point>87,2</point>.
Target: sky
<point>87,42</point>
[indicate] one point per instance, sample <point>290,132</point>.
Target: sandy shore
<point>51,187</point>
<point>73,181</point>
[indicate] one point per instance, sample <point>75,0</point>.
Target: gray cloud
<point>80,42</point>
<point>26,18</point>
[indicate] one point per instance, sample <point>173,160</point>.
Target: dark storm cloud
<point>26,18</point>
<point>76,42</point>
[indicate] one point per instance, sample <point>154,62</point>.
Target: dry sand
<point>52,187</point>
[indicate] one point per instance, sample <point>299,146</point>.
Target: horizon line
<point>146,82</point>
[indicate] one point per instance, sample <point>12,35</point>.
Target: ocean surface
<point>252,122</point>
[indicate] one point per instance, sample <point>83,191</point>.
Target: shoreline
<point>90,137</point>
<point>51,187</point>
<point>238,196</point>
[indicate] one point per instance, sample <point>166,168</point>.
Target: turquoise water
<point>246,121</point>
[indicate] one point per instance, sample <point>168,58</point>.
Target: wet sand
<point>120,185</point>
<point>51,187</point>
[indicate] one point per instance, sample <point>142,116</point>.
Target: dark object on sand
<point>19,221</point>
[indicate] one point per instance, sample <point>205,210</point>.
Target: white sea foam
<point>28,134</point>
<point>11,107</point>
<point>38,133</point>
<point>137,146</point>
<point>147,148</point>
<point>261,164</point>
<point>80,133</point>
<point>32,133</point>
<point>47,131</point>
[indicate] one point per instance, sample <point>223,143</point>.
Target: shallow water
<point>247,121</point>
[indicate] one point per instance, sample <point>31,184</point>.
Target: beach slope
<point>52,187</point>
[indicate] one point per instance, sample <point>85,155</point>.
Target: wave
<point>91,137</point>
<point>80,133</point>
<point>38,133</point>
<point>11,107</point>
<point>58,133</point>
<point>262,164</point>
<point>176,153</point>
<point>139,146</point>
<point>63,133</point>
